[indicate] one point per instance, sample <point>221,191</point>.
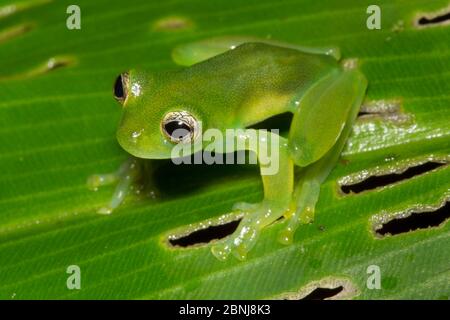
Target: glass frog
<point>234,83</point>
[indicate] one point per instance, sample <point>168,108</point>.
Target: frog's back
<point>260,64</point>
<point>257,79</point>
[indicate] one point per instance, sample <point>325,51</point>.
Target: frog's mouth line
<point>135,144</point>
<point>146,155</point>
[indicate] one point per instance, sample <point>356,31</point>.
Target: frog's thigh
<point>322,115</point>
<point>346,96</point>
<point>278,187</point>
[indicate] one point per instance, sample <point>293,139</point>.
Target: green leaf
<point>57,127</point>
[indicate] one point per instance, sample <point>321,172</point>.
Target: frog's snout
<point>130,140</point>
<point>138,144</point>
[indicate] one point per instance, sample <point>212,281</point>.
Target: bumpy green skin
<point>241,87</point>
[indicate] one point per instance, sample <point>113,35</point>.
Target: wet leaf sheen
<point>57,126</point>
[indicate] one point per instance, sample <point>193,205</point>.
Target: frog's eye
<point>121,88</point>
<point>180,126</point>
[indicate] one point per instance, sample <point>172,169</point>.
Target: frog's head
<point>153,120</point>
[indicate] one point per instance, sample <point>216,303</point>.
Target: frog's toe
<point>105,210</point>
<point>257,216</point>
<point>237,244</point>
<point>221,250</point>
<point>245,206</point>
<point>93,182</point>
<point>97,180</point>
<point>286,235</point>
<point>300,217</point>
<point>125,178</point>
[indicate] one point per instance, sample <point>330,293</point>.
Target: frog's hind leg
<point>125,177</point>
<point>346,96</point>
<point>307,191</point>
<point>195,52</point>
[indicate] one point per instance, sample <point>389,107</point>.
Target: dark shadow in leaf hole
<point>422,220</point>
<point>323,293</point>
<point>206,235</point>
<point>387,179</point>
<point>435,20</point>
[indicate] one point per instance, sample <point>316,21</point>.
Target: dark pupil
<point>118,88</point>
<point>177,129</point>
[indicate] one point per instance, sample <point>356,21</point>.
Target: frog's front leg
<point>278,186</point>
<point>125,177</point>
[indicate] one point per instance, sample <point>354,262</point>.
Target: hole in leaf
<point>173,23</point>
<point>387,179</point>
<point>364,113</point>
<point>16,7</point>
<point>323,293</point>
<point>380,107</point>
<point>415,221</point>
<point>56,63</point>
<point>15,31</point>
<point>326,288</point>
<point>206,235</point>
<point>50,65</point>
<point>424,21</point>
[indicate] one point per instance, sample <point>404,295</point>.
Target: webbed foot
<point>256,217</point>
<point>125,178</point>
<point>305,199</point>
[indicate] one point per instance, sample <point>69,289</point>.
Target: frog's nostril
<point>135,135</point>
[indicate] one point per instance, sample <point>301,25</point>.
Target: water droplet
<point>390,158</point>
<point>136,134</point>
<point>51,63</point>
